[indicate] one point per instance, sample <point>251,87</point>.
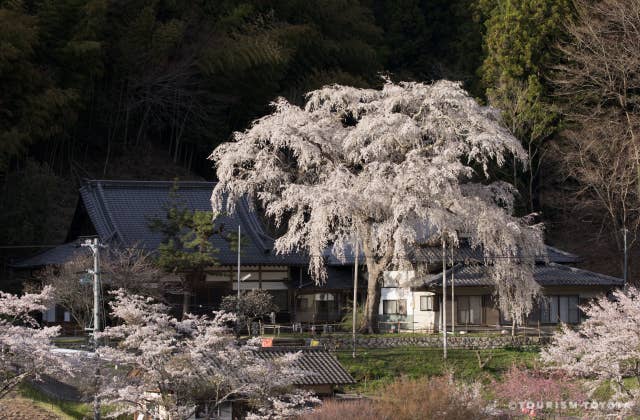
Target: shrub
<point>353,410</point>
<point>520,385</point>
<point>437,397</point>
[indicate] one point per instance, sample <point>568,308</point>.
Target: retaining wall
<point>460,342</point>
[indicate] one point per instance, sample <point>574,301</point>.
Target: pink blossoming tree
<point>520,385</point>
<point>25,347</point>
<point>605,348</point>
<point>178,368</point>
<point>391,169</point>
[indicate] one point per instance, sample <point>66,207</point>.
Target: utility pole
<point>95,247</point>
<point>239,280</point>
<point>626,257</point>
<point>444,298</point>
<point>355,300</point>
<point>238,302</point>
<point>453,294</point>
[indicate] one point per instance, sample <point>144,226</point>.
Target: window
<point>49,315</point>
<point>302,303</point>
<point>326,303</point>
<point>280,299</point>
<point>394,307</point>
<point>469,310</point>
<point>426,303</point>
<point>555,309</point>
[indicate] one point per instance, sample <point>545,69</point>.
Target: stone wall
<point>458,341</point>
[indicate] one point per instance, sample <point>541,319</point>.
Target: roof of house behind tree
<point>432,254</point>
<point>551,274</point>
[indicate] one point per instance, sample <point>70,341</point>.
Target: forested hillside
<point>145,89</point>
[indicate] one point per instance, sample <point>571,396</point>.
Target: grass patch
<point>70,340</point>
<point>606,390</point>
<point>62,409</point>
<point>66,410</point>
<point>374,367</point>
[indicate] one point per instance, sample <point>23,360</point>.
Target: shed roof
<point>53,256</point>
<point>321,366</point>
<point>551,274</point>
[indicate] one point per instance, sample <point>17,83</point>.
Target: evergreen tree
<point>186,250</point>
<point>519,41</point>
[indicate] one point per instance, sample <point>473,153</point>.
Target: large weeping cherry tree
<point>391,169</point>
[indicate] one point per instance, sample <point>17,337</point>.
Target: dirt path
<point>15,407</point>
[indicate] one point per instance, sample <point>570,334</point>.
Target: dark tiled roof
<point>546,275</point>
<point>560,256</point>
<point>322,368</point>
<point>57,255</point>
<point>433,254</point>
<point>349,257</point>
<point>121,211</point>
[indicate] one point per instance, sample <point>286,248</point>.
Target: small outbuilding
<point>324,373</point>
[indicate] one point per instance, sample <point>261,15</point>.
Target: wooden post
<point>354,315</point>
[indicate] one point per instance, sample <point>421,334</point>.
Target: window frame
<point>386,303</point>
<point>464,311</point>
<point>553,306</point>
<point>299,300</point>
<point>400,308</point>
<point>429,301</point>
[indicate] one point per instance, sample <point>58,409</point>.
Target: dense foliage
<point>97,88</point>
<point>95,78</point>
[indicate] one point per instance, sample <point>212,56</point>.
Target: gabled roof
<point>120,212</point>
<point>321,367</point>
<point>545,275</point>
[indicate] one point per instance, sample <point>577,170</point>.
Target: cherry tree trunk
<point>186,301</point>
<point>374,274</point>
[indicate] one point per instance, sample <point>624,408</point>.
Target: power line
<point>27,246</point>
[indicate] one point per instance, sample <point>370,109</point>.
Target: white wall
<point>396,286</point>
<point>396,293</point>
<point>424,320</point>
